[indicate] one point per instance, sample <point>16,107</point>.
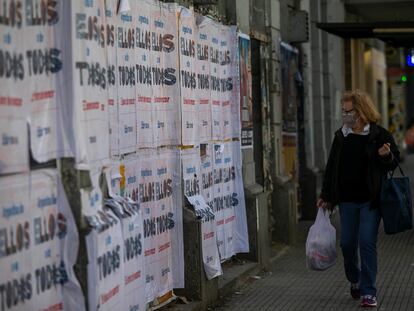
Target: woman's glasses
<point>347,112</point>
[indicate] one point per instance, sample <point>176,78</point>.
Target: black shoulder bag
<point>396,203</point>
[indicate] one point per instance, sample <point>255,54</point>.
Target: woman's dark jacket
<point>377,165</point>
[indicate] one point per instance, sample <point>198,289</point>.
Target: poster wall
<point>39,244</point>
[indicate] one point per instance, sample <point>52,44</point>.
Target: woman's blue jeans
<point>359,227</point>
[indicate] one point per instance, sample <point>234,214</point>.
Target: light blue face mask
<point>349,120</point>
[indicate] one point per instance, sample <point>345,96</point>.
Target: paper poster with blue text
<point>112,19</point>
<point>47,66</point>
<point>106,266</point>
<point>188,77</point>
<point>241,244</point>
<point>160,200</point>
<point>14,94</point>
<point>91,78</point>
<point>165,74</point>
<point>126,74</point>
<point>203,37</point>
<point>192,179</point>
<point>40,243</point>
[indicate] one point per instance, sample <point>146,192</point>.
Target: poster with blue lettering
<point>188,77</point>
<point>47,66</point>
<point>160,201</point>
<point>14,96</point>
<point>206,171</point>
<point>39,243</point>
<point>203,80</point>
<point>91,82</point>
<point>126,84</point>
<point>218,204</point>
<point>143,47</point>
<point>165,74</point>
<point>228,199</point>
<point>192,178</point>
<point>105,246</point>
<point>241,243</point>
<point>213,29</point>
<point>111,52</point>
<point>226,34</point>
<point>134,270</point>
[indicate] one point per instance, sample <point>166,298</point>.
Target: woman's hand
<point>385,150</point>
<point>321,203</point>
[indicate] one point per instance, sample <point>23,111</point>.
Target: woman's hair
<point>363,105</point>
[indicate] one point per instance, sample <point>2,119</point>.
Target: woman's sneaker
<point>369,301</point>
<point>355,292</point>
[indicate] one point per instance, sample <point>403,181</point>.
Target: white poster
<point>213,29</point>
<point>241,244</point>
<point>112,19</point>
<point>105,247</point>
<point>188,77</point>
<point>14,95</point>
<point>160,200</point>
<point>229,202</point>
<point>217,201</point>
<point>192,179</point>
<point>143,47</point>
<point>211,258</point>
<point>165,73</point>
<point>46,67</point>
<point>129,213</point>
<point>90,78</point>
<point>226,37</point>
<point>39,244</point>
<point>134,270</point>
<point>203,38</point>
<point>228,199</point>
<point>126,74</point>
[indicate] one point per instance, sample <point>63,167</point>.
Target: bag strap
<point>398,165</point>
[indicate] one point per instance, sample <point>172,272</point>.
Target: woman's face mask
<point>349,119</point>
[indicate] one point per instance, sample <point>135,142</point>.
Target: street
<point>291,286</point>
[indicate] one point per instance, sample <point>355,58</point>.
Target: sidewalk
<point>291,286</point>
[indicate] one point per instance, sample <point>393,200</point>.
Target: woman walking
<point>361,154</point>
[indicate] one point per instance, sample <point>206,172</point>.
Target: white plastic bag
<point>321,243</point>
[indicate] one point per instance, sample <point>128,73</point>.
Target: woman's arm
<point>389,160</point>
<point>327,180</point>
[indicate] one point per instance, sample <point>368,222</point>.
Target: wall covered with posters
<point>122,93</point>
